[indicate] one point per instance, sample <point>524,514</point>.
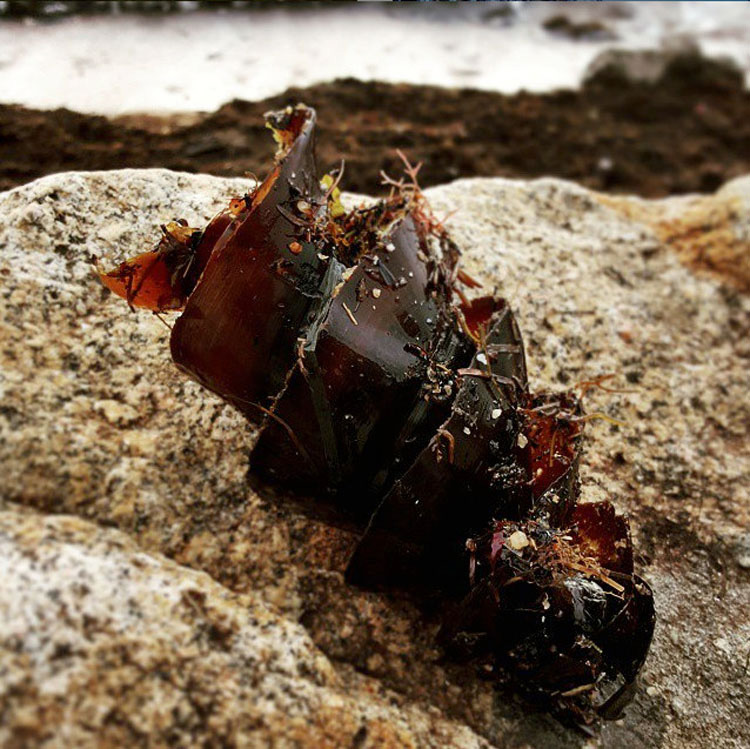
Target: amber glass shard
<point>560,610</point>
<point>238,333</point>
<point>361,374</point>
<point>552,429</point>
<point>410,413</point>
<point>145,281</point>
<point>155,279</point>
<point>468,472</point>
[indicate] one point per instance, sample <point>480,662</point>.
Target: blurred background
<point>638,97</point>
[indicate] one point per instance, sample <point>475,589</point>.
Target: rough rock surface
<point>105,643</point>
<point>649,65</point>
<point>247,633</point>
<point>709,232</point>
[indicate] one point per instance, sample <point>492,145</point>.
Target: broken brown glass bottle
<point>404,408</point>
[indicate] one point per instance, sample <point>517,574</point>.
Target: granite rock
<point>149,593</point>
<point>105,644</point>
<point>677,54</point>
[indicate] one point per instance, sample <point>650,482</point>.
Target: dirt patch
<point>687,132</point>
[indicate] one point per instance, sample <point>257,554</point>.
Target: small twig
<point>577,690</point>
<point>290,217</point>
<point>335,183</point>
<point>349,313</point>
<point>163,320</point>
<point>596,573</point>
<point>464,277</point>
<point>411,171</point>
<point>279,421</point>
<point>595,415</point>
<point>596,382</point>
<point>473,372</point>
<point>451,440</point>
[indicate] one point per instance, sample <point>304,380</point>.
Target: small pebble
<point>518,540</point>
<point>723,645</point>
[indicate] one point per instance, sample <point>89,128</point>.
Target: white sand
<point>197,61</point>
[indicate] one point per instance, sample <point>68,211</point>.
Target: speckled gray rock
<point>649,65</point>
<point>104,644</point>
<point>95,422</point>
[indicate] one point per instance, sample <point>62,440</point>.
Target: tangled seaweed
<point>404,407</point>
